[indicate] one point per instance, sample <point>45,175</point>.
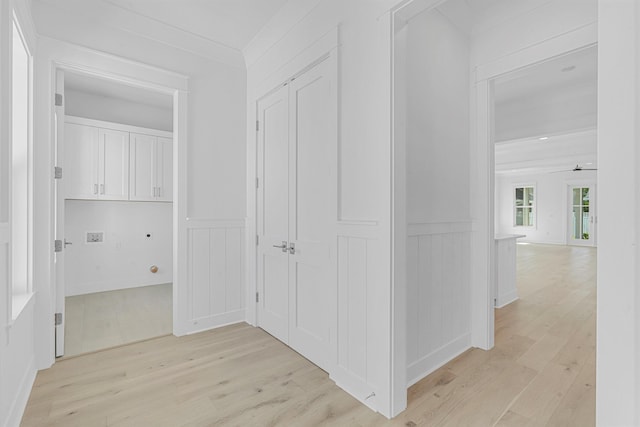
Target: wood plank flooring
<point>110,319</point>
<point>541,372</point>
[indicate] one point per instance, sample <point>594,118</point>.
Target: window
<point>525,210</point>
<point>20,191</point>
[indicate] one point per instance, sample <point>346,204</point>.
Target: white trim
<point>202,324</point>
<point>19,403</point>
<point>443,227</point>
<point>506,299</point>
<point>116,126</point>
<point>5,230</point>
<point>437,358</point>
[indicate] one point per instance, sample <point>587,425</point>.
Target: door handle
<point>283,246</point>
<point>67,243</point>
<point>292,249</point>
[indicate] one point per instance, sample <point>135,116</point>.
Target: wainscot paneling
<point>215,273</point>
<point>438,295</point>
<point>358,246</point>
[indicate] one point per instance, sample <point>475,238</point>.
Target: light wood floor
<point>109,319</point>
<point>541,372</point>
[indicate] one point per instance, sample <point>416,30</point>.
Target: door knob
<point>283,246</point>
<point>292,249</point>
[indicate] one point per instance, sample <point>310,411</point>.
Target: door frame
<point>592,184</point>
<point>482,185</point>
<point>58,55</point>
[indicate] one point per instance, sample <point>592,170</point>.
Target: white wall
<point>618,310</point>
<point>437,176</point>
<point>124,258</point>
<point>551,203</point>
<point>109,109</point>
<point>17,336</point>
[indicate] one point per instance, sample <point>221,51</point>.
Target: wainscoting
<point>215,278</point>
<point>359,246</point>
<point>438,295</point>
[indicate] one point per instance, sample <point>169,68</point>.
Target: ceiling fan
<point>578,168</point>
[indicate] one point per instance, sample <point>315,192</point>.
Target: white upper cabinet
<point>151,168</point>
<point>107,161</point>
<point>113,165</point>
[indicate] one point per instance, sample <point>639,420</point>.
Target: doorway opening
<point>114,213</point>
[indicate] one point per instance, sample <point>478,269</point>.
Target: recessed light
<point>543,138</point>
<point>588,164</point>
<point>569,68</point>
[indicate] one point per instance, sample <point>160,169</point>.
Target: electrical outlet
<point>97,237</point>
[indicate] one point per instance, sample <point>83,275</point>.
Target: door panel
<point>309,214</point>
<point>582,219</point>
<point>81,158</point>
<point>273,221</point>
<point>113,165</point>
<point>165,169</point>
<point>142,171</point>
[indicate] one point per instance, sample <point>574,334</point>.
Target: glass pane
<point>528,196</point>
<point>576,197</point>
<point>577,223</point>
<point>585,223</point>
<point>519,196</point>
<point>585,197</point>
<point>519,216</point>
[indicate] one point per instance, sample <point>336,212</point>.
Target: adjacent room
<point>116,156</point>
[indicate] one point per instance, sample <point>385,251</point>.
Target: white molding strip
<point>436,359</point>
<point>117,126</point>
<point>19,404</point>
<point>215,223</point>
<point>202,324</point>
<point>426,228</point>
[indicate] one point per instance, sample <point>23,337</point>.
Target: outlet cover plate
<point>95,237</point>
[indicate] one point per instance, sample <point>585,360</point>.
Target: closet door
<point>142,167</point>
<point>113,165</point>
<point>273,217</point>
<point>309,214</point>
<point>81,162</point>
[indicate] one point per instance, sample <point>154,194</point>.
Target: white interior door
<point>59,218</point>
<point>582,219</point>
<point>309,214</point>
<point>295,213</point>
<point>273,218</point>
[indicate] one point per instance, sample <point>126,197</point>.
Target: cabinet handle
<point>95,188</point>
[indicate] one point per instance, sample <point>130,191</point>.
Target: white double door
<point>294,214</point>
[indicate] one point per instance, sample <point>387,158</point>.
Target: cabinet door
<point>142,171</point>
<point>164,173</point>
<point>81,162</point>
<point>113,165</point>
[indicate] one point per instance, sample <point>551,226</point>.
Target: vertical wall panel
<point>438,300</point>
<point>218,267</point>
<point>215,276</point>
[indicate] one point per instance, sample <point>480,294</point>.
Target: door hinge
<point>57,245</point>
<point>257,125</point>
<point>257,182</point>
<point>257,240</point>
<point>257,297</point>
<point>58,100</point>
<point>57,319</point>
<point>57,172</point>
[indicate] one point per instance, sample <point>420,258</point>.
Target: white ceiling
<point>215,29</point>
<point>110,89</point>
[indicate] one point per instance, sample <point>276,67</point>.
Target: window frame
<point>21,297</point>
<point>533,206</point>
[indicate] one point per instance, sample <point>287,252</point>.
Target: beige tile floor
<point>110,319</point>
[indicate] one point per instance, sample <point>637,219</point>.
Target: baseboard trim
<point>436,359</point>
<point>202,324</point>
<point>19,404</point>
<point>506,299</point>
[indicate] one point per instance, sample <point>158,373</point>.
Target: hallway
<point>541,372</point>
